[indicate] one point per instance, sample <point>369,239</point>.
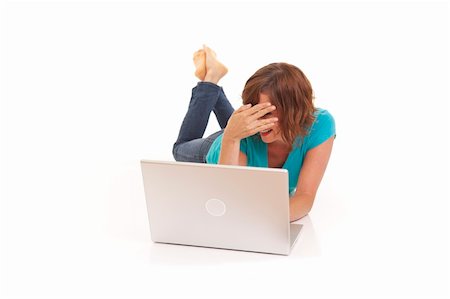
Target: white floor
<point>83,244</point>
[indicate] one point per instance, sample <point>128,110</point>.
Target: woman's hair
<point>290,91</point>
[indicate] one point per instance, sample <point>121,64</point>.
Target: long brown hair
<point>290,91</point>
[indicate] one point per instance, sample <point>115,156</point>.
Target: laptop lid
<point>220,206</point>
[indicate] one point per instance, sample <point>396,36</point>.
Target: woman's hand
<point>246,121</point>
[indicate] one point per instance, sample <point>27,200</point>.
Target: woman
<point>278,126</point>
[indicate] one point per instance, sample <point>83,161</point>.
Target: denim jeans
<point>190,145</point>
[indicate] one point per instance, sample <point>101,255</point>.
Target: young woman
<point>278,126</point>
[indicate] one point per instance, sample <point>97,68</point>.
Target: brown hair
<point>290,91</point>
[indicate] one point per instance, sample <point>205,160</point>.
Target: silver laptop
<point>219,206</point>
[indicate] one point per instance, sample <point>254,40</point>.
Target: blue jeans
<point>190,145</point>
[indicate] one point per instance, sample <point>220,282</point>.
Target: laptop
<point>219,206</point>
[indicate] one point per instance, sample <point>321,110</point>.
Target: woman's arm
<point>311,174</point>
<point>230,153</point>
<point>244,122</point>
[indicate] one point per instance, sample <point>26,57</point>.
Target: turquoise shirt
<point>256,150</point>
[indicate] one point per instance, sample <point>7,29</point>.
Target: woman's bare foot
<point>200,64</point>
<point>215,70</point>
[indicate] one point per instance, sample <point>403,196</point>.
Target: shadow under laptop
<point>173,254</point>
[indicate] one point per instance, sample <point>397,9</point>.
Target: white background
<point>90,88</point>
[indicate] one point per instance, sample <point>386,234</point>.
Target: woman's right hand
<point>247,121</point>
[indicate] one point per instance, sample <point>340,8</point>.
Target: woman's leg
<point>203,99</point>
<point>215,70</point>
<point>190,146</point>
<point>194,150</point>
<point>223,109</point>
<point>207,96</point>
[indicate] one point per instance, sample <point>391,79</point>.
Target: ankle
<point>212,77</point>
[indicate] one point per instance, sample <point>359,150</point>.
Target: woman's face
<point>274,134</point>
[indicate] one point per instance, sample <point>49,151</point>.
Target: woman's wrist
<point>229,139</point>
<point>229,151</point>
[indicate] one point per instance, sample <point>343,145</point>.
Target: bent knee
<point>174,151</point>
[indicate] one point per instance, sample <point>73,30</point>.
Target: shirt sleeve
<point>214,151</point>
<point>243,145</point>
<point>323,128</point>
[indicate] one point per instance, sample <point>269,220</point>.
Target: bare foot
<point>215,70</point>
<point>200,64</point>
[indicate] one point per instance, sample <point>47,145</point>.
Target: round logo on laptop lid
<point>215,207</point>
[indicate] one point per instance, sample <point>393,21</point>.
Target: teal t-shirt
<point>256,150</point>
